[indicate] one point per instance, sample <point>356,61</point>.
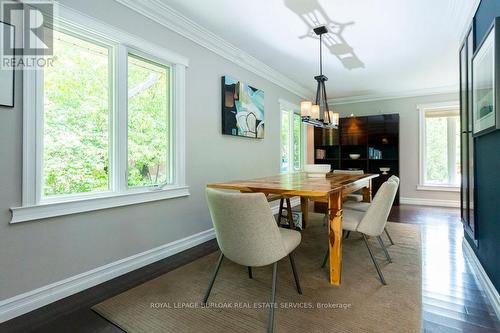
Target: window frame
<point>423,109</point>
<point>34,205</point>
<point>292,109</point>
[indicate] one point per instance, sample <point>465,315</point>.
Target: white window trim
<point>33,208</point>
<point>295,109</point>
<point>422,108</point>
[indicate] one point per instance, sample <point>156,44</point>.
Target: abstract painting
<point>242,109</point>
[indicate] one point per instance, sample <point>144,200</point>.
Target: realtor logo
<point>30,31</point>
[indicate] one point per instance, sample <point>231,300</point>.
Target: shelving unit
<point>359,135</point>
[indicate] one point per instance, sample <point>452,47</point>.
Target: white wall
<point>408,138</point>
<point>34,254</point>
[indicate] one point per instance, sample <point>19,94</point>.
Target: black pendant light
<point>319,114</point>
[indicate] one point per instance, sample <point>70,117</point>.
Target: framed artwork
<point>242,109</point>
<point>485,87</point>
<point>7,34</point>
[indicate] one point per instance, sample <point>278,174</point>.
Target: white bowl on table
<point>317,170</point>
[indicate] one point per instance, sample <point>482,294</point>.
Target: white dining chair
<point>248,235</point>
<point>372,222</point>
<point>363,207</point>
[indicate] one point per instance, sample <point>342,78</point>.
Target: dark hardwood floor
<point>452,299</point>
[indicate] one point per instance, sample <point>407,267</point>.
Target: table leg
<point>289,214</point>
<point>335,237</point>
<point>304,207</point>
<point>367,192</point>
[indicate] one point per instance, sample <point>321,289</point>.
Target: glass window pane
<point>76,118</point>
<point>148,122</point>
<point>285,141</point>
<point>436,150</point>
<point>297,142</point>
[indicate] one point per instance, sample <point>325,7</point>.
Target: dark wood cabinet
<point>374,138</point>
<point>467,192</point>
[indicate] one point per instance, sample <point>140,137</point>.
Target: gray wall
<point>34,254</point>
<point>408,137</point>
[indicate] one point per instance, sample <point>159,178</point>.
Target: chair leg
<point>213,279</point>
<point>347,234</point>
<point>250,272</point>
<point>325,259</point>
<point>295,275</point>
<point>270,325</point>
<point>388,236</point>
<point>374,261</point>
<point>381,242</point>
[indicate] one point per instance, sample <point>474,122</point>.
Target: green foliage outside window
<point>77,126</point>
<point>76,118</point>
<point>148,123</point>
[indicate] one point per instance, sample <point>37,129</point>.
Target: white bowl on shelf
<point>384,170</point>
<point>354,156</point>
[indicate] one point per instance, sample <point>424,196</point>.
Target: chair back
<point>394,178</point>
<point>373,223</point>
<point>245,227</point>
<point>349,172</point>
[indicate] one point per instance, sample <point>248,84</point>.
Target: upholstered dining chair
<point>363,207</point>
<point>248,235</point>
<point>372,222</point>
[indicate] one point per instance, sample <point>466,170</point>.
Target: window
<point>292,145</point>
<point>148,123</point>
<point>76,118</point>
<point>439,146</point>
<point>103,125</point>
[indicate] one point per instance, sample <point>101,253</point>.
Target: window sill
<point>440,188</point>
<point>47,210</point>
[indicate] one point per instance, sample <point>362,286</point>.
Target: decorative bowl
<point>354,156</point>
<point>384,170</point>
<point>317,168</point>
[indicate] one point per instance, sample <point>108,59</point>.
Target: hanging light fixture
<point>318,114</point>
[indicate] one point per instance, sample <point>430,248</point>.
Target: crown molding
<point>394,95</point>
<point>175,21</point>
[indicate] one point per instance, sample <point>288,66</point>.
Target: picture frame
<point>6,74</point>
<point>485,83</point>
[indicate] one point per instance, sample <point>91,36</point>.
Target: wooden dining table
<point>330,190</point>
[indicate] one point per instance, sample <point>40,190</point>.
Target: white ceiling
<point>397,45</point>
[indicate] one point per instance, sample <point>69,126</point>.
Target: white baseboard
<point>29,301</point>
<point>429,202</point>
<point>483,278</point>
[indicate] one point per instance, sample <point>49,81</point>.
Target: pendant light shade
<point>305,108</point>
<point>315,112</point>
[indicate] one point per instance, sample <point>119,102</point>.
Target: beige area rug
<point>171,302</point>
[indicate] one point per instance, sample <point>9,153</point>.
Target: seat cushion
<point>359,206</point>
<point>351,219</point>
<point>291,239</point>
